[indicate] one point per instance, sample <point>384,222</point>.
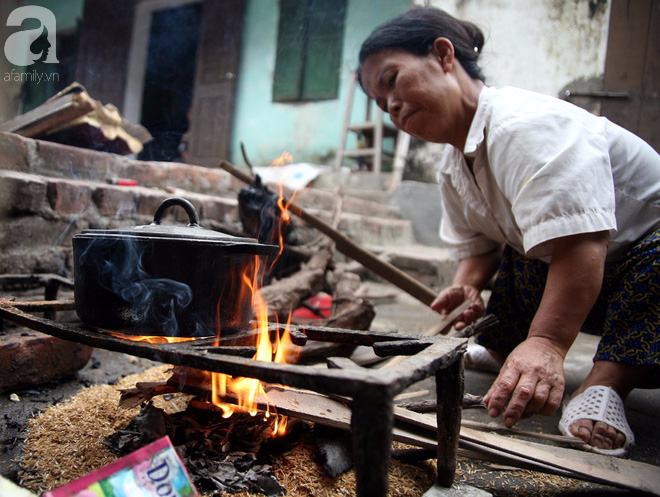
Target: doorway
<point>169,79</point>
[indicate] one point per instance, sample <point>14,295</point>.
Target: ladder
<point>370,134</point>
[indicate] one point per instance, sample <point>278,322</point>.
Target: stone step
<point>430,265</point>
<point>49,211</point>
<point>54,160</point>
<point>55,191</point>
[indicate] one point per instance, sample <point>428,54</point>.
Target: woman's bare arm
<point>532,378</point>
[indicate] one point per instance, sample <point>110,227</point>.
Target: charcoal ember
<point>334,449</point>
<point>221,454</point>
<point>261,218</point>
<point>148,426</point>
<point>238,471</point>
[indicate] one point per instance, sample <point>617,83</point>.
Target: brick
<point>326,200</point>
<point>147,174</point>
<point>64,161</point>
<point>36,259</point>
<point>69,197</point>
<point>149,200</point>
<point>223,210</point>
<point>21,193</point>
<point>31,358</point>
<point>375,231</point>
<point>14,152</point>
<point>115,201</point>
<point>33,231</point>
<point>213,181</point>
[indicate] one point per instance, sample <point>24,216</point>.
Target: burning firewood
<point>220,453</point>
<point>264,217</point>
<point>348,312</point>
<point>285,294</point>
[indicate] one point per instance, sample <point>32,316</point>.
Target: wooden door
<point>632,66</point>
<point>216,75</point>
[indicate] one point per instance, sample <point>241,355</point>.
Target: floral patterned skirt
<point>626,314</point>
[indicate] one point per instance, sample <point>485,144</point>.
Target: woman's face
<point>421,93</point>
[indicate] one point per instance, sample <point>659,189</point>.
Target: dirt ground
<point>395,311</point>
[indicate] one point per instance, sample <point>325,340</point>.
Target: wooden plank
<point>49,115</point>
<point>41,305</point>
<point>216,76</point>
<point>103,53</point>
<point>419,429</point>
<point>608,470</point>
<point>649,118</point>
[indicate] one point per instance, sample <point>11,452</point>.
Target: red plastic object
<point>321,302</point>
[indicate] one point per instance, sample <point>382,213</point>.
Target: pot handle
<point>181,202</point>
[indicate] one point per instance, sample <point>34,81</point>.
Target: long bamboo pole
<point>349,248</point>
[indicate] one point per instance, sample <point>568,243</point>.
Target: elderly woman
<point>562,205</point>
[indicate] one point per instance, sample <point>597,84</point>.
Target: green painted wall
<point>309,131</point>
<point>67,12</point>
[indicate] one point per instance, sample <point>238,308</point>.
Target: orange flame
<point>246,390</point>
<point>153,338</point>
<point>285,158</point>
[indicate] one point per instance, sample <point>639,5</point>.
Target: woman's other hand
<point>450,298</point>
<point>532,377</point>
<point>472,275</point>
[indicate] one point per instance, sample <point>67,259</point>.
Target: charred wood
<point>285,295</point>
<point>263,217</point>
<point>334,449</point>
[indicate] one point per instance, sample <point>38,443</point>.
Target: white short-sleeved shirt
<point>543,169</point>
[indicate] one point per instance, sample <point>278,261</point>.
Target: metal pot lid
<point>193,232</point>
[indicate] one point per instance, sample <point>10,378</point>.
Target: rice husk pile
<point>65,442</point>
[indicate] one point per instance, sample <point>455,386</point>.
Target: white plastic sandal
<point>478,358</point>
<point>598,403</point>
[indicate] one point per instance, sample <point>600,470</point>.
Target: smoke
<point>121,272</point>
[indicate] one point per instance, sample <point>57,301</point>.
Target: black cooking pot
<point>165,280</point>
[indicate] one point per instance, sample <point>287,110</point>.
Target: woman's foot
<point>612,432</point>
<point>597,416</point>
<point>480,358</point>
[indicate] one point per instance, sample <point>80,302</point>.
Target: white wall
<point>539,45</point>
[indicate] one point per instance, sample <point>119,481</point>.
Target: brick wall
<point>50,192</point>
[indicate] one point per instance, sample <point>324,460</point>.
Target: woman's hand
<point>472,275</point>
<point>450,298</point>
<point>532,377</point>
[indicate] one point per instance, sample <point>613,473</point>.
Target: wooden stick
<point>349,248</point>
<point>41,305</point>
